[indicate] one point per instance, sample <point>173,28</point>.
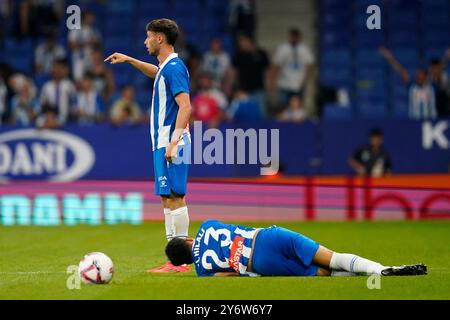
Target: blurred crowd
<point>241,85</point>
<point>78,87</point>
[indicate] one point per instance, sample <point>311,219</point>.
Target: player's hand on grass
<point>117,58</point>
<point>171,151</point>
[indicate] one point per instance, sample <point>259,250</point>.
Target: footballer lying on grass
<point>221,249</point>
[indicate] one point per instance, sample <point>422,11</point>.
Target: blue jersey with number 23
<point>220,247</point>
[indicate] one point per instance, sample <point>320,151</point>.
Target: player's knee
<point>321,272</point>
<point>176,202</point>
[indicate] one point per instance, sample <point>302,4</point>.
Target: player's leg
<point>179,215</point>
<point>177,178</point>
<point>163,189</point>
<point>346,264</point>
<point>167,217</point>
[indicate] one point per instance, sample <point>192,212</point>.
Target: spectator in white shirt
<point>422,98</point>
<point>47,53</point>
<point>59,92</point>
<point>81,42</point>
<point>293,67</point>
<point>24,106</point>
<point>294,112</point>
<point>216,62</point>
<point>89,108</point>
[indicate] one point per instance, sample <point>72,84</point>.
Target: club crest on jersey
<point>236,252</point>
<point>162,181</point>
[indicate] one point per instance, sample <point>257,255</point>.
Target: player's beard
<point>154,51</point>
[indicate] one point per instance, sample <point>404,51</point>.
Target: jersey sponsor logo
<point>236,252</point>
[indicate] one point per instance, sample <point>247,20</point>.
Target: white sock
<point>337,273</point>
<point>169,225</point>
<point>352,263</point>
<point>180,221</point>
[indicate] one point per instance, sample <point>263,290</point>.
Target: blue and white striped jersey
<point>172,78</point>
<point>220,247</point>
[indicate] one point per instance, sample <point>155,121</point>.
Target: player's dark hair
<point>166,26</point>
<point>178,251</point>
<point>435,61</point>
<point>376,132</point>
<point>295,32</point>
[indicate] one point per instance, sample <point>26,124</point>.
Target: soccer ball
<point>96,268</point>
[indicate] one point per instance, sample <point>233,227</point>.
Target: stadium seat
<point>363,4</point>
<point>403,38</point>
<point>369,58</point>
<point>118,43</point>
<point>337,57</point>
<point>40,80</point>
<point>372,110</point>
<point>400,108</point>
<point>119,6</point>
<point>407,56</point>
<point>434,52</point>
<point>336,76</point>
<point>436,38</point>
<point>403,4</point>
<point>333,111</point>
<point>370,39</point>
<point>436,20</point>
<point>332,41</point>
<point>404,20</point>
<point>435,5</point>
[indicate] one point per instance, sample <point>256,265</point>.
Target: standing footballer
<point>170,112</point>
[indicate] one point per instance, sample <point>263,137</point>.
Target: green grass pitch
<point>34,260</point>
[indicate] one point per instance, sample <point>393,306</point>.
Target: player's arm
<point>184,112</point>
<point>226,274</point>
<point>393,62</point>
<point>148,69</point>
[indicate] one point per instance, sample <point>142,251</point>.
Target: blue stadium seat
<point>435,5</point>
<point>146,6</point>
<point>370,39</point>
<point>336,40</point>
<point>335,4</point>
<point>404,20</point>
<point>436,20</point>
<point>371,58</point>
<point>436,38</point>
<point>336,57</point>
<point>144,100</point>
<point>434,52</point>
<point>403,38</point>
<point>407,56</point>
<point>332,20</point>
<point>333,111</point>
<point>40,80</point>
<point>397,88</point>
<point>403,4</point>
<point>120,6</point>
<point>400,108</point>
<point>363,4</point>
<point>370,93</point>
<point>18,47</point>
<point>336,76</point>
<point>369,110</point>
<point>22,63</point>
<point>118,43</point>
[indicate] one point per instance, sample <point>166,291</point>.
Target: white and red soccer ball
<point>96,268</point>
